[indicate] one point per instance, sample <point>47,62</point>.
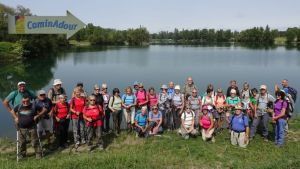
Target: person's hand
<point>16,120</point>
<point>89,119</point>
<point>36,118</point>
<point>245,139</point>
<point>57,119</point>
<point>255,116</point>
<point>113,110</point>
<point>77,113</point>
<point>206,131</point>
<point>50,114</point>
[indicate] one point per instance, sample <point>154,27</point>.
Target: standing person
<point>15,97</point>
<point>208,100</point>
<point>232,101</point>
<point>211,88</point>
<point>128,104</point>
<point>188,87</point>
<point>153,97</point>
<point>264,100</point>
<point>164,105</point>
<point>253,106</point>
<point>77,104</point>
<point>61,113</point>
<point>55,91</point>
<point>93,115</point>
<point>99,100</point>
<point>195,104</point>
<point>104,92</point>
<point>44,106</point>
<point>171,90</point>
<point>239,128</point>
<point>220,104</point>
<point>207,124</point>
<point>135,87</point>
<point>245,97</point>
<point>26,117</point>
<point>155,121</point>
<point>233,85</point>
<point>83,93</point>
<point>115,106</point>
<point>187,123</point>
<point>141,123</point>
<point>178,105</point>
<point>141,97</point>
<point>279,117</point>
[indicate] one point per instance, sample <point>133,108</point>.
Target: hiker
<point>187,123</point>
<point>239,128</point>
<point>115,106</point>
<point>153,97</point>
<point>164,105</point>
<point>44,106</point>
<point>253,106</point>
<point>83,93</point>
<point>128,104</point>
<point>207,124</point>
<point>232,101</point>
<point>178,105</point>
<point>211,88</point>
<point>15,97</point>
<point>171,90</point>
<point>265,103</point>
<point>93,115</point>
<point>188,88</point>
<point>195,104</point>
<point>141,123</point>
<point>61,117</point>
<point>135,87</point>
<point>220,104</point>
<point>105,94</point>
<point>234,86</point>
<point>26,117</point>
<point>279,117</point>
<point>141,97</point>
<point>245,97</point>
<point>208,100</point>
<point>56,90</point>
<point>77,104</point>
<point>155,121</point>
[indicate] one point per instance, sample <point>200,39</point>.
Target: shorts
<point>45,125</point>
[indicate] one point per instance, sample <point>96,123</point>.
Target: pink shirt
<point>205,120</point>
<point>141,96</point>
<point>153,100</point>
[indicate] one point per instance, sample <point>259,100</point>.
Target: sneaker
<point>90,148</point>
<point>76,145</point>
<point>136,135</point>
<point>213,140</point>
<point>101,147</point>
<point>38,156</point>
<point>266,139</point>
<point>186,137</point>
<point>83,142</point>
<point>251,139</point>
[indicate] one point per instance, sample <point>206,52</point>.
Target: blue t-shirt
<point>155,116</point>
<point>128,99</point>
<point>171,92</point>
<point>239,123</point>
<point>141,120</point>
<point>47,103</point>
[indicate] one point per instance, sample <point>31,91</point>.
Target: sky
<point>159,15</point>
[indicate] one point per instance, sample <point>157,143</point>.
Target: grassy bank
<point>168,151</point>
<point>11,50</point>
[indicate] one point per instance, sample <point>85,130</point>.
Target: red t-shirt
<point>141,96</point>
<point>94,113</point>
<point>153,100</point>
<point>61,110</point>
<point>77,104</point>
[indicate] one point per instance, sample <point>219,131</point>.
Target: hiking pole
<point>17,145</point>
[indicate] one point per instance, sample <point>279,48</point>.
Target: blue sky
<point>159,15</point>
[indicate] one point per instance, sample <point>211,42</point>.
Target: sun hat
<point>57,82</point>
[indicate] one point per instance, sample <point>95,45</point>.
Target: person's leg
<point>59,133</point>
<point>234,138</point>
<point>115,121</point>
<point>22,142</point>
<point>99,137</point>
<point>65,131</point>
<point>265,121</point>
<point>82,131</point>
<point>203,134</point>
<point>35,142</point>
<point>196,119</point>
<point>119,120</point>
<point>76,131</point>
<point>169,119</point>
<point>194,133</point>
<point>107,118</point>
<point>183,132</point>
<point>241,140</point>
<point>255,123</point>
<point>281,125</point>
<point>177,119</point>
<point>48,129</point>
<point>276,132</point>
<point>132,116</point>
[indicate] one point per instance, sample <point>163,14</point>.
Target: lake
<point>154,66</point>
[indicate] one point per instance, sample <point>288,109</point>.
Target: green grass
<point>280,41</point>
<point>168,151</point>
<point>80,43</point>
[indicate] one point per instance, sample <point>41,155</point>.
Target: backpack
<point>184,115</point>
<point>223,97</point>
<point>293,92</point>
<point>55,94</point>
<point>56,107</point>
<point>31,97</point>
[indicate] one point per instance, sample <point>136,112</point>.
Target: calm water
<point>154,66</point>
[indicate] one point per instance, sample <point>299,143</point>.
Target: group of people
<point>148,112</point>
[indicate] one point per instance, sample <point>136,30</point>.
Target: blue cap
<point>136,83</point>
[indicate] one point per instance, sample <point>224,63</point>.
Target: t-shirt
<point>26,115</point>
<point>205,120</point>
<point>207,100</point>
<point>153,100</point>
<point>239,123</point>
<point>155,117</point>
<point>99,99</point>
<point>263,102</point>
<point>245,95</point>
<point>163,101</point>
<point>171,92</point>
<point>115,103</point>
<point>177,100</point>
<point>106,100</point>
<point>77,104</point>
<point>279,105</point>
<point>235,100</point>
<point>220,101</point>
<point>15,97</point>
<point>93,113</point>
<point>253,100</point>
<point>61,110</point>
<point>141,120</point>
<point>187,90</point>
<point>46,103</point>
<point>195,102</point>
<point>141,96</point>
<point>188,118</point>
<point>128,100</point>
<point>229,90</point>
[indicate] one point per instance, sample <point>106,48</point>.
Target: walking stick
<point>17,145</point>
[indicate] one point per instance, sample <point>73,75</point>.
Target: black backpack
<point>293,92</point>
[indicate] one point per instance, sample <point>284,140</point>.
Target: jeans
<point>62,131</point>
<point>264,119</point>
<point>176,118</point>
<point>78,130</point>
<point>90,132</point>
<point>117,118</point>
<point>279,131</point>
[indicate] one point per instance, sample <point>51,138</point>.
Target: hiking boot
<point>266,139</point>
<point>90,148</point>
<point>136,135</point>
<point>38,156</point>
<point>76,145</point>
<point>213,140</point>
<point>251,139</point>
<point>83,141</point>
<point>101,147</point>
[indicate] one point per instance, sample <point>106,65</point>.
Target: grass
<point>80,43</point>
<point>168,151</point>
<point>280,41</point>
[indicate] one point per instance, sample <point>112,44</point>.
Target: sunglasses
<point>104,88</point>
<point>97,89</point>
<point>188,108</point>
<point>92,100</point>
<point>42,94</point>
<point>194,92</point>
<point>154,108</point>
<point>26,101</point>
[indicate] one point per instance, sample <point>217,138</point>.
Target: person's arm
<point>182,104</point>
<point>182,123</point>
<point>193,123</point>
<point>72,107</point>
<point>109,104</point>
<point>160,121</point>
<point>7,100</point>
<point>211,123</point>
<point>122,102</point>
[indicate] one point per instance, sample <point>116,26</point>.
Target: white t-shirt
<point>188,118</point>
